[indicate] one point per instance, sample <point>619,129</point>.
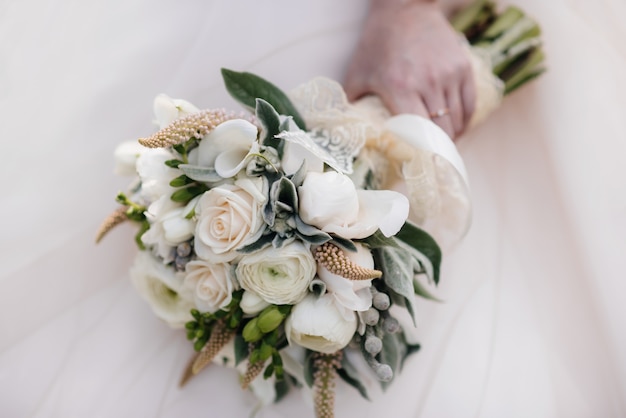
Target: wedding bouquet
<point>292,242</point>
<point>269,236</point>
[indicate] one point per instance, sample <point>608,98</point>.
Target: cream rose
<point>229,217</point>
<point>331,202</point>
<point>211,285</point>
<point>317,324</point>
<point>163,288</point>
<point>278,275</point>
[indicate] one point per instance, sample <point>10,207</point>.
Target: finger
<point>455,104</point>
<point>405,103</point>
<point>439,112</point>
<point>468,97</point>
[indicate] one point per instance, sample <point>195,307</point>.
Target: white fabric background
<point>533,323</point>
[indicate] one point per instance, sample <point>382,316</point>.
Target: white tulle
<point>532,320</point>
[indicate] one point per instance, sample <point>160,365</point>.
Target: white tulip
<point>317,324</point>
<point>163,288</point>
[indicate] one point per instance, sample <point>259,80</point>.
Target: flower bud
<point>371,316</point>
<point>373,345</point>
<point>251,332</point>
<point>381,301</point>
<point>391,325</point>
<point>270,319</point>
<point>251,303</point>
<point>384,372</point>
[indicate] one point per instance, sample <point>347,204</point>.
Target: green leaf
<point>378,240</point>
<point>269,371</point>
<point>246,88</point>
<point>198,173</point>
<point>310,234</point>
<point>188,193</point>
<point>282,389</point>
<point>143,228</point>
<point>392,354</point>
<point>421,241</point>
<point>173,163</point>
<point>350,375</point>
<point>397,267</point>
<point>241,349</point>
<point>420,290</point>
<point>309,369</point>
<point>346,244</point>
<point>270,120</point>
<point>181,181</point>
<point>261,243</point>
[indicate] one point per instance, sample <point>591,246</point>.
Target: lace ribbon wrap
<point>407,153</point>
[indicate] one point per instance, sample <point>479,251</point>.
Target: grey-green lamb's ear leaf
<point>247,87</point>
<point>397,267</point>
<point>270,120</point>
<point>286,193</point>
<point>262,242</point>
<point>309,369</point>
<point>310,233</point>
<point>421,241</point>
<point>198,173</point>
<point>350,375</point>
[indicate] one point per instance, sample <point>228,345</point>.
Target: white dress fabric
<point>533,320</point>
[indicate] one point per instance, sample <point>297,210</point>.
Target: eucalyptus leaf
<point>247,87</point>
<point>270,120</point>
<point>397,267</point>
<point>421,241</point>
<point>198,173</point>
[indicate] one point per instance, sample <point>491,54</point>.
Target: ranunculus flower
<point>167,110</point>
<point>163,288</point>
<point>331,202</point>
<point>229,217</point>
<point>226,147</point>
<point>168,226</point>
<point>279,275</point>
<point>350,295</point>
<point>317,324</point>
<point>211,285</point>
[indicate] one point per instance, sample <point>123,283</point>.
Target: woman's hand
<point>412,58</point>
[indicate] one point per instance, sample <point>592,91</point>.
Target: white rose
<point>126,155</point>
<point>351,295</point>
<point>163,288</point>
<point>154,174</point>
<point>317,324</point>
<point>169,226</point>
<point>229,217</point>
<point>167,110</point>
<point>226,148</point>
<point>331,202</point>
<point>251,303</point>
<point>279,275</point>
<point>211,285</point>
